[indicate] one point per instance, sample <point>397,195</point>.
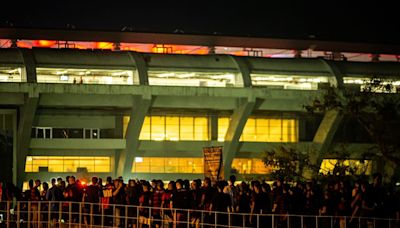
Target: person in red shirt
<point>145,202</point>
<point>157,201</point>
<point>166,202</point>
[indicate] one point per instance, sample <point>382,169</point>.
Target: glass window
<point>288,81</point>
<point>223,125</point>
<point>201,128</point>
<point>196,79</point>
<point>125,122</point>
<point>85,76</point>
<point>375,85</point>
<point>91,133</point>
<point>167,165</point>
<point>359,167</point>
<point>242,165</point>
<point>172,128</point>
<point>250,166</point>
<point>68,163</point>
<point>43,132</point>
<point>187,128</point>
<point>11,74</point>
<point>270,130</point>
<point>175,128</point>
<point>157,128</point>
<point>145,132</point>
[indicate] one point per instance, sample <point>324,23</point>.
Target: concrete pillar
<point>337,79</point>
<point>141,105</point>
<point>244,70</point>
<point>323,139</point>
<point>30,65</point>
<point>297,54</point>
<point>375,58</point>
<point>211,50</point>
<point>27,115</point>
<point>236,125</point>
<point>214,127</point>
<point>141,67</point>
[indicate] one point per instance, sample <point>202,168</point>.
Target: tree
<point>287,163</point>
<point>376,107</point>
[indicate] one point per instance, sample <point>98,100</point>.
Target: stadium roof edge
<point>198,40</point>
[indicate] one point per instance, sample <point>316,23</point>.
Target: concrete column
<point>244,69</point>
<point>214,127</point>
<point>27,115</point>
<point>337,80</point>
<point>323,138</point>
<point>141,105</point>
<point>141,67</point>
<point>30,65</point>
<point>236,125</point>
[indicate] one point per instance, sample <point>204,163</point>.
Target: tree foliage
<point>376,107</point>
<point>287,163</point>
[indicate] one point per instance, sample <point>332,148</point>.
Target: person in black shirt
<point>197,196</point>
<point>145,202</point>
<point>92,196</point>
<point>119,199</point>
<point>132,199</point>
<point>74,194</point>
<point>54,194</point>
<point>221,202</point>
<point>180,199</point>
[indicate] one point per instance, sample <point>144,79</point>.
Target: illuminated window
<point>173,128</point>
<point>145,132</point>
<point>202,79</point>
<point>223,125</point>
<point>157,128</point>
<point>378,85</point>
<point>86,76</point>
<point>250,166</point>
<point>187,128</point>
<point>11,74</point>
<point>359,167</point>
<point>288,81</point>
<point>167,165</point>
<point>270,130</point>
<point>68,163</point>
<point>263,130</point>
<point>125,122</point>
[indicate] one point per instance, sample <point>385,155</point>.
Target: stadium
<point>141,109</point>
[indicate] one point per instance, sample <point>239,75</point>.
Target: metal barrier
<point>42,214</point>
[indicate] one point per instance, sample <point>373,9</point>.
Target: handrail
<point>49,213</point>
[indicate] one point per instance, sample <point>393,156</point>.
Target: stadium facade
<point>65,111</point>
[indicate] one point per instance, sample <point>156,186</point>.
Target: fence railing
<point>42,214</point>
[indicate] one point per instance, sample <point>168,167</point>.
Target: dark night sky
<point>373,23</point>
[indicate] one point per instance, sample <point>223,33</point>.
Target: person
<point>132,199</point>
<point>33,195</point>
<point>144,203</point>
<point>166,203</point>
<point>55,195</point>
<point>221,202</point>
<point>118,195</point>
<point>73,194</point>
<point>180,199</point>
<point>196,196</point>
<point>44,206</point>
<point>208,194</point>
<point>106,200</point>
<point>156,202</point>
<point>92,196</point>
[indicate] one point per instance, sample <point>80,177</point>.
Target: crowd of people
<point>337,198</point>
